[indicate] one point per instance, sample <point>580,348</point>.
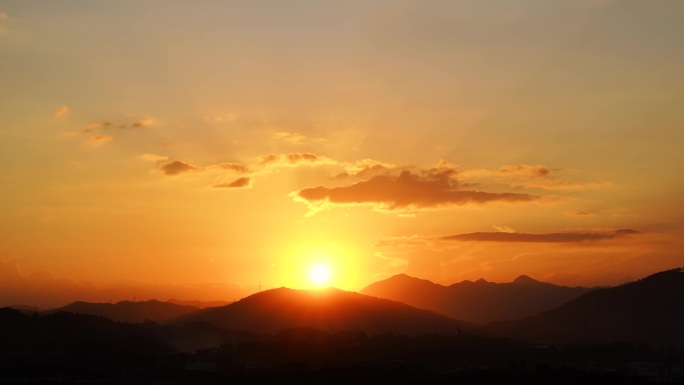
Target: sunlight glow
<point>319,273</point>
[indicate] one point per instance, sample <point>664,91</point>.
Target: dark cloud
<point>432,188</point>
<point>545,238</point>
<point>176,167</point>
<point>237,183</point>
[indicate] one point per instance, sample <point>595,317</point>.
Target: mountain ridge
<point>478,302</point>
<point>647,310</point>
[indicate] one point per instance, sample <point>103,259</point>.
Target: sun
<point>319,273</point>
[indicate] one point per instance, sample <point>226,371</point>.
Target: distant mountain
<point>649,310</point>
<point>27,309</point>
<point>128,311</point>
<point>199,304</point>
<point>327,310</point>
<point>479,301</point>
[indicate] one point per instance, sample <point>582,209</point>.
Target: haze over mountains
<point>480,301</point>
<point>329,310</point>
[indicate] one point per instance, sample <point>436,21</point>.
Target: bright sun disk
<point>319,273</point>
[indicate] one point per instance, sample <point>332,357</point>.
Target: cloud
<point>294,159</point>
<point>503,229</point>
<point>433,188</point>
<point>142,123</point>
<point>365,167</point>
<point>97,126</point>
<point>235,167</point>
<point>526,171</point>
<point>99,140</point>
<point>522,171</point>
<point>237,183</point>
<point>62,111</point>
<point>176,167</point>
<point>529,177</point>
<point>543,238</point>
<point>560,185</point>
<point>295,137</point>
<point>580,213</point>
<point>153,157</point>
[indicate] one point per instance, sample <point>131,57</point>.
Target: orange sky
<point>173,149</point>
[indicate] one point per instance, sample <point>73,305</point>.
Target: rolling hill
<point>479,301</point>
<point>327,310</point>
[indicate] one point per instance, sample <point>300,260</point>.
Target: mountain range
<point>644,311</point>
<point>478,302</point>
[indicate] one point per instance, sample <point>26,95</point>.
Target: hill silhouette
<point>479,301</point>
<point>649,310</point>
<point>128,311</point>
<point>199,304</point>
<point>328,310</point>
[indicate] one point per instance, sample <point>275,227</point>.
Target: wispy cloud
<point>527,176</point>
<point>142,123</point>
<point>238,168</point>
<point>97,126</point>
<point>153,157</point>
<point>560,185</point>
<point>581,213</point>
<point>99,140</point>
<point>544,237</point>
<point>237,183</point>
<point>61,111</point>
<point>295,137</point>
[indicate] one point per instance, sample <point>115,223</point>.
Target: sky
<point>205,150</point>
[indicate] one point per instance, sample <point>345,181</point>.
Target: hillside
<point>649,310</point>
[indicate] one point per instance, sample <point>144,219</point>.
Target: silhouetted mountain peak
<point>329,309</point>
<point>481,280</point>
<point>526,280</point>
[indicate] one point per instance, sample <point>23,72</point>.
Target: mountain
<point>327,310</point>
<point>479,301</point>
<point>649,310</point>
<point>199,304</point>
<point>128,311</point>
